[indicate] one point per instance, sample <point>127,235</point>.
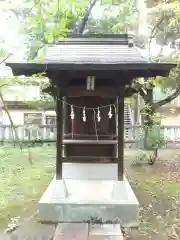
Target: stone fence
<point>132,134</point>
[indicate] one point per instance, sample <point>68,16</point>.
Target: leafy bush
<point>153,138</point>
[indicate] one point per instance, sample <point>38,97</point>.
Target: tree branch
<point>10,54</point>
<point>84,21</point>
<point>162,48</point>
<point>160,103</point>
<point>168,99</point>
<point>153,32</point>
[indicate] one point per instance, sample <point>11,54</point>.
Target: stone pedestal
<point>86,191</point>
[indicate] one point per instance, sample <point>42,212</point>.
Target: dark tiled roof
<point>94,51</point>
<point>97,53</point>
<point>91,53</point>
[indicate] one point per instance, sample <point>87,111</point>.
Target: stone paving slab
<point>65,231</point>
<point>71,231</point>
<point>32,231</point>
<point>83,231</point>
<point>102,237</point>
<point>105,229</point>
<point>105,232</point>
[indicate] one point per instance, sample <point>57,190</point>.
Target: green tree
<point>46,22</point>
<point>114,18</point>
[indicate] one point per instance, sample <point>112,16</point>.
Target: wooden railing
<point>132,134</point>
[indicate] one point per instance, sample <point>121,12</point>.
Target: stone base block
<point>90,171</point>
<point>82,200</point>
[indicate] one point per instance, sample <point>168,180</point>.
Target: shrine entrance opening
<point>93,127</point>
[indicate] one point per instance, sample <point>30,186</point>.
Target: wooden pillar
<point>65,112</point>
<point>120,147</point>
<point>59,141</point>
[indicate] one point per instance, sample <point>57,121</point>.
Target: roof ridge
<point>100,35</point>
<point>93,42</point>
<point>96,39</point>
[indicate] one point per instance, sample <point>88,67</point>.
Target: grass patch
<point>22,183</point>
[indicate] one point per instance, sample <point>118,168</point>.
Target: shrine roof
<point>99,50</point>
<point>94,53</point>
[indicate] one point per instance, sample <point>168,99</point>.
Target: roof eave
<point>28,69</point>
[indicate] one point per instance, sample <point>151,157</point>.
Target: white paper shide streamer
<point>110,112</point>
<point>98,115</point>
<point>72,115</point>
<point>84,114</point>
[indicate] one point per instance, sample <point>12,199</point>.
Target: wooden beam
<point>59,141</point>
<point>120,112</point>
<point>80,91</point>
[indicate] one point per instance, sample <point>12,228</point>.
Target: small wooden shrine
<point>88,75</point>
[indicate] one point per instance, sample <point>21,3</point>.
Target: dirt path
<point>159,208</point>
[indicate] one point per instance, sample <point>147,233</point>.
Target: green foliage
<point>165,19</point>
<point>118,16</point>
<point>176,20</point>
<point>50,21</point>
<point>154,137</point>
<point>42,104</point>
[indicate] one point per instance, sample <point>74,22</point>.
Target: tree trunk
<point>136,109</point>
<point>30,155</point>
<point>10,119</point>
<point>151,135</point>
<point>147,117</point>
<point>84,21</point>
<point>152,159</point>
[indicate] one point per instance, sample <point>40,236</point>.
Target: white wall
<point>18,116</point>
